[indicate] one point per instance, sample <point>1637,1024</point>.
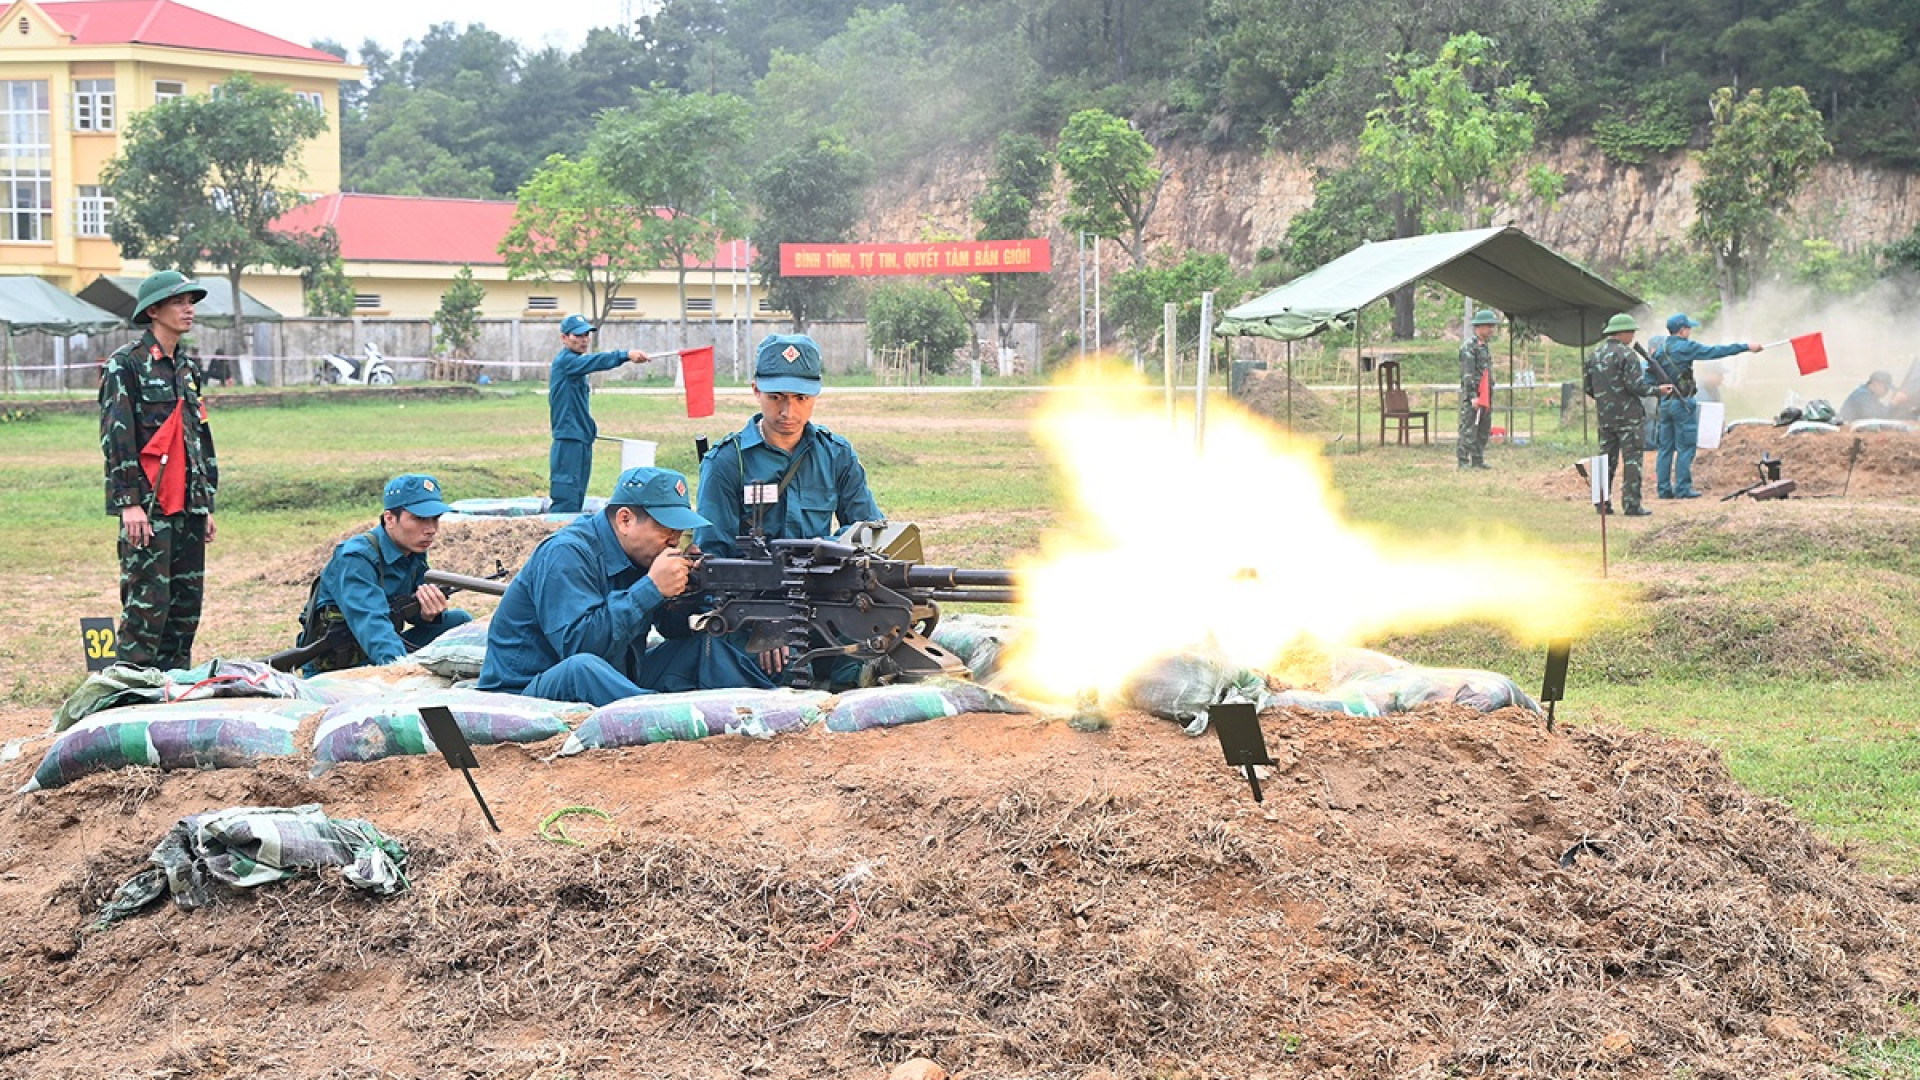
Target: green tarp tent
<point>29,305</point>
<point>1502,268</point>
<point>117,294</point>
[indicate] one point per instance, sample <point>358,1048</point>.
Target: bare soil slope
<point>1441,891</point>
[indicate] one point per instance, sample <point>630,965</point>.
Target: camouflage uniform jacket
<point>139,385</point>
<point>1615,379</point>
<point>1475,359</point>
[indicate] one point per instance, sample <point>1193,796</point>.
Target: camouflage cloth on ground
<point>130,684</point>
<point>245,846</point>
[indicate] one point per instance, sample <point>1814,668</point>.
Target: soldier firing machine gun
<point>865,596</point>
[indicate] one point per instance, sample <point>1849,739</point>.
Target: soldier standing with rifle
<point>369,577</point>
<point>1476,393</point>
<point>1677,425</point>
<point>161,476</point>
<point>1616,382</point>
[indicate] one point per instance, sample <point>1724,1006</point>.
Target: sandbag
<point>370,681</point>
<point>456,654</point>
<point>910,703</point>
<point>224,733</point>
<point>1182,686</point>
<point>1401,689</point>
<point>387,726</point>
<point>978,640</point>
<point>1344,665</point>
<point>1351,704</point>
<point>120,685</point>
<point>657,718</point>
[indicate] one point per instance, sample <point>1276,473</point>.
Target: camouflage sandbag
<point>388,726</point>
<point>373,681</point>
<point>225,733</point>
<point>127,684</point>
<point>246,846</point>
<point>978,640</point>
<point>456,654</point>
<point>1350,704</point>
<point>1182,686</point>
<point>657,718</point>
<point>1345,665</point>
<point>1404,688</point>
<point>910,703</point>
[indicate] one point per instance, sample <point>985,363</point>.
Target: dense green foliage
<point>456,324</point>
<point>922,317</point>
<point>1763,149</point>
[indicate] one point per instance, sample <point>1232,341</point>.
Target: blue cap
<point>662,493</point>
<point>788,364</point>
<point>576,324</point>
<point>1679,323</point>
<point>416,493</point>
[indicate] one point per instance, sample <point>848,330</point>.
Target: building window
<point>366,301</point>
<point>764,305</point>
<point>699,305</point>
<point>312,99</point>
<point>92,211</point>
<point>93,105</point>
<point>623,304</point>
<point>26,160</point>
<point>167,90</point>
<point>543,303</point>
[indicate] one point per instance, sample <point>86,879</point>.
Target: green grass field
<point>1792,652</point>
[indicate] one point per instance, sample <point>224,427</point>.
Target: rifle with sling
<point>335,647</point>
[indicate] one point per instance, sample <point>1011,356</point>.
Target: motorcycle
<point>370,369</point>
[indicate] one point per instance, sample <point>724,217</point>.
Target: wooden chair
<point>1395,407</point>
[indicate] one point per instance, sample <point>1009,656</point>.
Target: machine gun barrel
<point>974,596</point>
<point>949,577</point>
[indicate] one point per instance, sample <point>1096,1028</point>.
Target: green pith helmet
<point>1620,322</point>
<point>164,285</point>
<point>1485,317</point>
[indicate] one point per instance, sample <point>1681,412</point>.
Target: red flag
<point>1484,396</point>
<point>164,460</point>
<point>696,370</point>
<point>1810,352</point>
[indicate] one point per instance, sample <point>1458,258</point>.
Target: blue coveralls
<point>830,484</point>
<point>573,627</point>
<point>570,462</point>
<point>1676,433</point>
<point>365,576</point>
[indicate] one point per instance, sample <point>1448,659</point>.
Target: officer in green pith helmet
<point>161,475</point>
<point>1616,380</point>
<point>1476,392</point>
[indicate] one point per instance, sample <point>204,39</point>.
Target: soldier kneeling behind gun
<point>360,606</point>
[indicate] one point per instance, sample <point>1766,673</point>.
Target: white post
<point>1097,336</point>
<point>1170,316</point>
<point>749,339</point>
<point>1083,295</point>
<point>1200,378</point>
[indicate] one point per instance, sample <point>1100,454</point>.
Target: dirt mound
<point>1440,893</point>
<point>462,547</point>
<point>1887,463</point>
<point>1266,393</point>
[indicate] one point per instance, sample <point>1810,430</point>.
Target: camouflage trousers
<point>161,586</point>
<point>1625,448</point>
<point>1471,449</point>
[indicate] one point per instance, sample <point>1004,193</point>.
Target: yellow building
<point>70,75</point>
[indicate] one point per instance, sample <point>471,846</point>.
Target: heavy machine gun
<point>865,596</point>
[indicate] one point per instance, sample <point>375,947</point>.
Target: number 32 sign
<point>97,643</point>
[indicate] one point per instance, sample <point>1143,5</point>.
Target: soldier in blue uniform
<point>371,571</point>
<point>161,475</point>
<point>1676,435</point>
<point>570,462</point>
<point>782,474</point>
<point>573,625</point>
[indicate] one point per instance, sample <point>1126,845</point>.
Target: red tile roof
<point>163,22</point>
<point>418,229</point>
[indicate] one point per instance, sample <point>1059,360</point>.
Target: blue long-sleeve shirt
<point>1677,355</point>
<point>567,392</point>
<point>366,575</point>
<point>578,593</point>
<point>829,485</point>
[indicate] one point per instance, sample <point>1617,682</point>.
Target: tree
<point>1448,127</point>
<point>203,178</point>
<point>1022,173</point>
<point>1763,149</point>
<point>923,318</point>
<point>810,193</point>
<point>1111,182</point>
<point>678,155</point>
<point>572,225</point>
<point>456,325</point>
<point>1138,298</point>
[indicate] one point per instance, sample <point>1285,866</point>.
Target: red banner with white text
<point>1031,256</point>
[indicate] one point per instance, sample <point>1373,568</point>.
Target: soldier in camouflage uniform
<point>1616,381</point>
<point>1476,421</point>
<point>163,553</point>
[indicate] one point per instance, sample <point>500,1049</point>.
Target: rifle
<point>867,597</point>
<point>338,639</point>
<point>1665,378</point>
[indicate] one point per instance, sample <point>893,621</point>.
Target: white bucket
<point>636,453</point>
